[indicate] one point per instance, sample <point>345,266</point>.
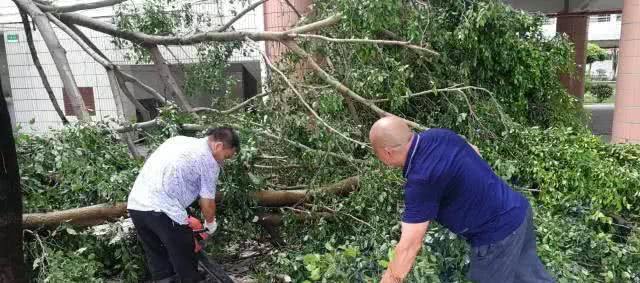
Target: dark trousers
<point>168,246</point>
<point>513,259</point>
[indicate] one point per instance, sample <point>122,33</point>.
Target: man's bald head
<point>389,131</point>
<point>390,138</point>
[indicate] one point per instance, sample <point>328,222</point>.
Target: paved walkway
<point>601,123</point>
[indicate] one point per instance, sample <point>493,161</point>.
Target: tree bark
<point>83,216</point>
<point>59,57</point>
<point>97,214</point>
<point>290,197</point>
<point>11,256</point>
<point>36,62</point>
<point>165,74</point>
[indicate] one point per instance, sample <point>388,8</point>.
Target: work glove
<point>211,227</point>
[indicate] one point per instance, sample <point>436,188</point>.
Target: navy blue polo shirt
<point>447,181</point>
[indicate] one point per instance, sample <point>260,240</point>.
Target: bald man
<point>448,181</point>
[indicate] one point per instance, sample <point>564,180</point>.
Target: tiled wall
<point>30,100</point>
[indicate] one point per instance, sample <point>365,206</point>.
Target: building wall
<point>602,30</point>
<point>32,108</point>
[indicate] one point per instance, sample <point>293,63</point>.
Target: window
<point>618,17</point>
<point>600,19</point>
<point>87,98</point>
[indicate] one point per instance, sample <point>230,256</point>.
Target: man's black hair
<point>226,135</point>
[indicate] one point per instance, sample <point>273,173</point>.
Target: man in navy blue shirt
<point>449,182</point>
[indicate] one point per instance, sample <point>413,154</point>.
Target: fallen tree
<point>100,213</point>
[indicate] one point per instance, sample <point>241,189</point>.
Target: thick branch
<point>97,214</point>
<point>165,74</point>
<point>80,6</point>
<point>341,87</point>
<point>367,41</point>
<point>59,57</point>
<point>36,62</point>
<point>126,76</point>
<point>97,57</point>
<point>84,216</point>
<point>142,38</point>
<point>306,105</point>
<point>138,126</point>
<point>240,15</point>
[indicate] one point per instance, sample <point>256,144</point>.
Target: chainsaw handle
<point>200,231</point>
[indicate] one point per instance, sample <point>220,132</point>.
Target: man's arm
<point>405,252</point>
<point>208,208</point>
<point>475,148</point>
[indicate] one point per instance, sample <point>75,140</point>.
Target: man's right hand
<point>211,227</point>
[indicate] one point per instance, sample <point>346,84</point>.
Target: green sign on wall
<point>12,37</point>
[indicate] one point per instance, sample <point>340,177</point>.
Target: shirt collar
<point>412,151</point>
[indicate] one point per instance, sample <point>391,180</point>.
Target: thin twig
<point>281,187</point>
<point>265,156</point>
<point>232,109</point>
<point>412,95</point>
<point>240,15</point>
<point>277,167</point>
<point>344,90</point>
<point>372,41</point>
<point>304,102</point>
<point>293,8</point>
<point>346,214</point>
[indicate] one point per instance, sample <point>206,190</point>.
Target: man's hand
<point>405,252</point>
<point>211,227</point>
<point>389,277</point>
<point>208,208</point>
<point>475,148</point>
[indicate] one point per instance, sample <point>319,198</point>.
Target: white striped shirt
<point>179,171</point>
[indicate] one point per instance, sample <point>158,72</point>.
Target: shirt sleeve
<point>421,201</point>
<point>208,182</point>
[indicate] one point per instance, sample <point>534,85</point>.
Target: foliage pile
<point>584,192</point>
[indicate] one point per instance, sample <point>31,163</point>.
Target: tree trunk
<point>97,214</point>
<point>59,57</point>
<point>36,62</point>
<point>11,256</point>
<point>83,216</point>
<point>166,76</point>
<point>290,197</point>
